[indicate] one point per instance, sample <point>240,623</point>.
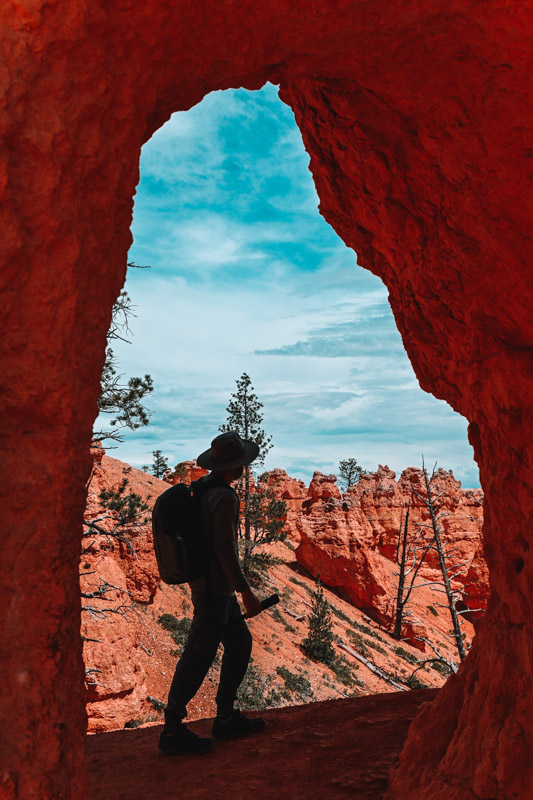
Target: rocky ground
<point>130,656</point>
<point>332,750</point>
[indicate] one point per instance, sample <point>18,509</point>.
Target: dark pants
<point>216,619</point>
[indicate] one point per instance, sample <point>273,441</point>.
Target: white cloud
<point>248,277</point>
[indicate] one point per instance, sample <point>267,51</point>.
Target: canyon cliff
<point>349,540</point>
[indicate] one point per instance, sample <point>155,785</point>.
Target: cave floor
<point>334,749</point>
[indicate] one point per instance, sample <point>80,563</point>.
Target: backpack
<point>181,546</point>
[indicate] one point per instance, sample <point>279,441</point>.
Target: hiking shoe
<point>184,742</point>
<point>236,725</point>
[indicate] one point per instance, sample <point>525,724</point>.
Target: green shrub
<point>278,617</point>
<point>405,655</point>
<point>415,683</point>
<point>295,684</point>
<point>298,583</point>
<point>375,646</point>
<point>359,642</point>
<point>256,692</point>
<point>365,629</point>
<point>258,566</point>
<point>341,615</point>
<point>440,666</point>
<point>343,671</point>
<point>433,611</point>
<point>178,628</point>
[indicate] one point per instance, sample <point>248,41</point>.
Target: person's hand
<point>251,602</point>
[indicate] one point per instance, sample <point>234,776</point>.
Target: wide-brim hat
<point>227,451</point>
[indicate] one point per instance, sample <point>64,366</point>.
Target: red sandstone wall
<point>417,119</point>
<point>351,540</point>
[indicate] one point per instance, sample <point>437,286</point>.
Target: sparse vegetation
<point>121,516</point>
<point>359,626</point>
<point>300,583</point>
<point>295,684</point>
<point>341,615</point>
<point>178,628</point>
<point>433,611</point>
<point>159,705</point>
<point>375,646</point>
<point>278,617</point>
<point>415,683</point>
<point>400,651</point>
<point>257,691</point>
<point>441,667</point>
<point>342,670</point>
<point>358,642</point>
<point>125,509</point>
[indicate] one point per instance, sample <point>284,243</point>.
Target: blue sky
<point>246,276</point>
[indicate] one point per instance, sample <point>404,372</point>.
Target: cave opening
<point>226,215</point>
<point>418,127</point>
<point>246,276</point>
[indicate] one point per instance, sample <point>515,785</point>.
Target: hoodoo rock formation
<point>130,655</point>
<point>417,118</point>
<point>351,541</point>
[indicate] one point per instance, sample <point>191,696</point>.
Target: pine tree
<point>350,473</point>
<point>244,417</point>
<point>122,400</point>
<point>319,642</point>
<point>159,465</point>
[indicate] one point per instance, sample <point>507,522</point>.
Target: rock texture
<point>351,540</point>
<point>418,125</point>
<point>334,767</point>
<point>130,658</point>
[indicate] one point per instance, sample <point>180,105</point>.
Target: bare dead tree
<point>410,555</point>
<point>449,571</point>
<point>122,515</point>
<point>89,677</point>
<point>101,593</point>
<point>451,665</point>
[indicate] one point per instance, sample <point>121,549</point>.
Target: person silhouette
<point>217,617</point>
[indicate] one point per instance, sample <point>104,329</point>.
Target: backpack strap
<point>199,488</point>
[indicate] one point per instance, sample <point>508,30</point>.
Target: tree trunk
<point>397,634</point>
<point>444,570</point>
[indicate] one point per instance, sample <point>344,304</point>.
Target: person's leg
<point>209,618</point>
<point>237,641</point>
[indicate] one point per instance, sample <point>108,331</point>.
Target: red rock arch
<point>417,118</point>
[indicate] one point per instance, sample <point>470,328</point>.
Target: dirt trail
<point>334,749</point>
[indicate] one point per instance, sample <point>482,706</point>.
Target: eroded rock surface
<point>130,658</point>
<point>351,541</point>
<point>418,126</point>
